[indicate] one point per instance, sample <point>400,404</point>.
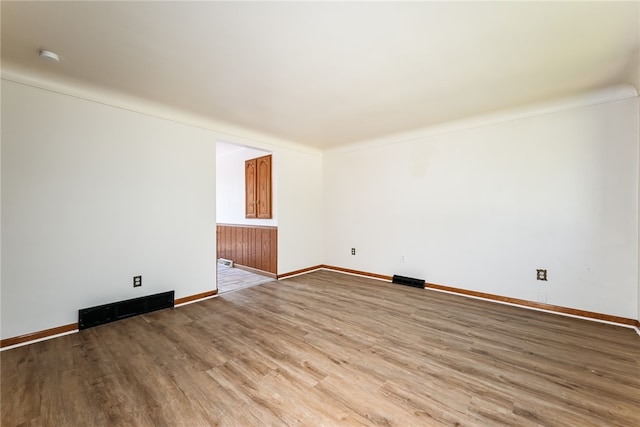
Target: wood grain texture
<point>493,297</point>
<point>258,191</point>
<point>298,272</point>
<point>230,279</point>
<point>7,342</point>
<point>37,335</point>
<point>256,271</point>
<point>195,297</point>
<point>249,246</point>
<point>533,304</point>
<point>250,192</point>
<point>263,187</point>
<point>329,349</point>
<point>357,272</point>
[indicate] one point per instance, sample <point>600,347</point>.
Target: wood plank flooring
<point>326,349</point>
<point>232,278</point>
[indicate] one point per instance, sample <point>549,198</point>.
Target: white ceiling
<point>329,73</point>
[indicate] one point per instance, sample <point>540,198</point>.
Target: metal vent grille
<point>226,262</point>
<point>100,314</point>
<point>408,281</point>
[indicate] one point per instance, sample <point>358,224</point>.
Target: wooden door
<point>263,187</point>
<point>250,181</point>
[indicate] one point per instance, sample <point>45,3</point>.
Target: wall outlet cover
<point>541,275</point>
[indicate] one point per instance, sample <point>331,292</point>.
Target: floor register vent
<point>225,262</point>
<point>407,281</point>
<point>98,315</point>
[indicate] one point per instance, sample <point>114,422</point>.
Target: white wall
<point>300,210</point>
<point>482,208</point>
<point>230,187</point>
<point>93,195</point>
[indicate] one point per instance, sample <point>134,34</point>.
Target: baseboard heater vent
<point>408,281</point>
<point>94,316</point>
<point>226,262</point>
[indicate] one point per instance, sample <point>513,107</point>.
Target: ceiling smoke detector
<point>47,55</point>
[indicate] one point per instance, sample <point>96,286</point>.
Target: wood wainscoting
<point>249,246</point>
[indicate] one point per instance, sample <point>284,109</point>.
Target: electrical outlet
<point>353,251</point>
<point>541,275</point>
<point>403,258</point>
<point>137,281</point>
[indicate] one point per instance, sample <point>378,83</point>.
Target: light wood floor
<point>232,278</point>
<point>329,349</point>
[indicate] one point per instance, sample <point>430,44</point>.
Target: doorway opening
<point>246,247</point>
